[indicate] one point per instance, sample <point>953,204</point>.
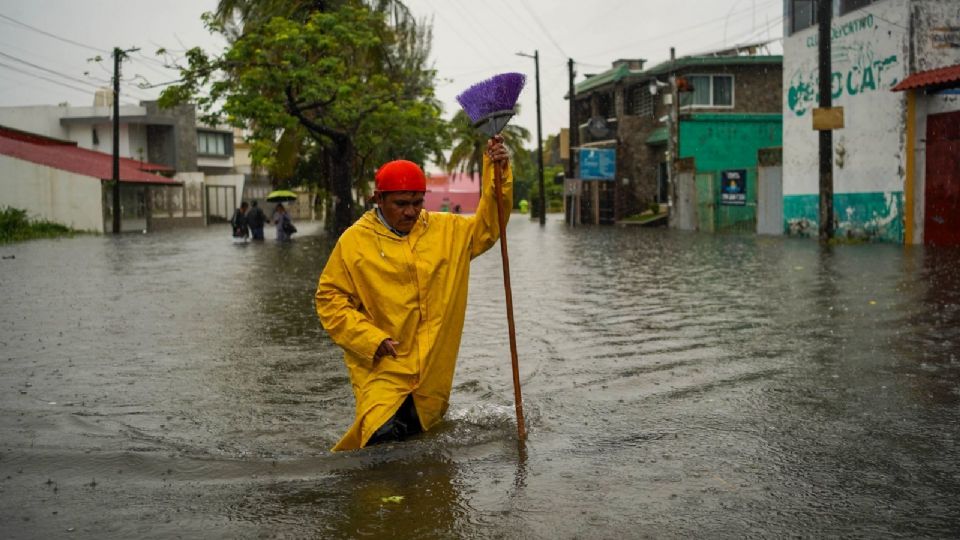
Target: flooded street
<point>675,385</point>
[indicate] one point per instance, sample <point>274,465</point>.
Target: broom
<point>490,106</point>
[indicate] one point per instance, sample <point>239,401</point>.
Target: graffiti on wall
<point>875,216</point>
<point>843,30</point>
<point>861,70</point>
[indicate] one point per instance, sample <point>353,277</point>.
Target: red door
<point>941,223</point>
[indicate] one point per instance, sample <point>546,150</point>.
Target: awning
<point>658,136</point>
<point>941,78</point>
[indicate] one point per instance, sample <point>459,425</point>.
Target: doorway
<point>941,222</point>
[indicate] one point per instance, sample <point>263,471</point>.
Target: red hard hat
<point>401,175</point>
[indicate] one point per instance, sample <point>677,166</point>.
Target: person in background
<point>284,224</point>
<point>393,295</point>
<point>256,219</point>
<point>241,230</point>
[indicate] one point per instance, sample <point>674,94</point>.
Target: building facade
<point>643,115</point>
<point>199,157</point>
<point>879,156</point>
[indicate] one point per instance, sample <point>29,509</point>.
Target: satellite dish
<point>598,128</point>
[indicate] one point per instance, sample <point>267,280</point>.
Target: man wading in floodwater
<point>393,295</point>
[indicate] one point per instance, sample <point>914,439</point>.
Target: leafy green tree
<point>333,79</point>
<point>527,187</point>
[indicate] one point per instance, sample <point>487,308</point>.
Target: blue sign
<point>598,163</point>
<point>733,187</point>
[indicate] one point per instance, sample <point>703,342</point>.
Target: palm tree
<point>234,14</point>
<point>466,156</point>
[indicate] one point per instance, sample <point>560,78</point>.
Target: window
<point>846,6</point>
<point>708,91</point>
<point>605,105</point>
<point>212,143</point>
<point>722,91</point>
<point>639,101</point>
<point>803,14</point>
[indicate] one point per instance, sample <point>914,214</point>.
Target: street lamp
<point>543,199</point>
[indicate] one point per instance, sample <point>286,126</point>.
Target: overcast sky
<point>45,44</point>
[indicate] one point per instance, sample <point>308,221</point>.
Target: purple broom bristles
<point>496,94</point>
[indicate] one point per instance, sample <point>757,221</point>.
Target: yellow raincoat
<point>377,285</point>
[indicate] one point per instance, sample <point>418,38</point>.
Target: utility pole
<point>118,55</point>
<point>573,138</point>
<point>574,124</point>
<point>543,200</point>
<point>824,18</point>
<point>673,133</point>
<point>543,195</point>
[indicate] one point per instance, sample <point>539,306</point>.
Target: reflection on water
<point>675,384</point>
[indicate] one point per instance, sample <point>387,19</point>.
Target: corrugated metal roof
<point>658,136</point>
<point>66,156</point>
<point>942,77</point>
<point>621,72</point>
<point>610,76</point>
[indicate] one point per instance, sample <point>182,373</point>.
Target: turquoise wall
<point>874,216</point>
<point>720,142</point>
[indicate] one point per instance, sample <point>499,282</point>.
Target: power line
<point>536,19</point>
<point>54,36</point>
<point>129,85</point>
<point>41,68</point>
<point>676,31</point>
<point>18,70</point>
<point>479,51</point>
<point>514,21</point>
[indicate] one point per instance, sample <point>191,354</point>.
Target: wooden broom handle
<point>502,219</point>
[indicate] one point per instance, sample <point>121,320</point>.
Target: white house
<point>200,156</point>
<point>879,155</point>
<point>58,181</point>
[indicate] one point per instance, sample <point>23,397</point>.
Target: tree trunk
<point>342,180</point>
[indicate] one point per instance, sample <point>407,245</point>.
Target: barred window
<point>639,101</point>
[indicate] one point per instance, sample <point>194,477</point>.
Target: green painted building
<point>724,148</point>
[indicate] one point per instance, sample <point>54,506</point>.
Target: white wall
<point>40,119</point>
<point>936,31</point>
<point>225,162</point>
<point>132,137</point>
<point>45,120</point>
<point>193,184</point>
<point>870,55</point>
<point>235,180</point>
<point>52,194</point>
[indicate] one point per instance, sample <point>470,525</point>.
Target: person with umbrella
<point>284,224</point>
<point>281,217</point>
<point>393,295</point>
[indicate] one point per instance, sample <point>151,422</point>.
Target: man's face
<point>401,208</point>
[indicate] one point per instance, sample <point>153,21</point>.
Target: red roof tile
<point>66,156</point>
<point>934,77</point>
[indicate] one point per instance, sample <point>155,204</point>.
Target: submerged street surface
<point>675,385</point>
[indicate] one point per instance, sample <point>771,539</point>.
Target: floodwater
<point>675,385</point>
